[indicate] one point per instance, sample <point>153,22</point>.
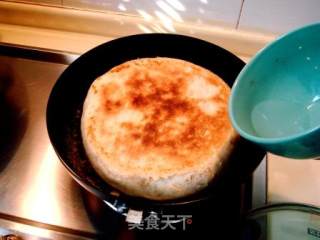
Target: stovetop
<point>37,196</point>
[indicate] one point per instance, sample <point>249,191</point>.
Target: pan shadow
<point>13,114</point>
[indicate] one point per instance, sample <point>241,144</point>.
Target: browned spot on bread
<point>109,103</point>
<point>94,89</point>
<point>111,106</point>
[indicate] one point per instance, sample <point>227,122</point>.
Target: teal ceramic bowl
<point>275,101</point>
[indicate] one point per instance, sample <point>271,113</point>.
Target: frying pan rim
<point>61,78</point>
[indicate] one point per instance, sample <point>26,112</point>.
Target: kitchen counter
<point>291,180</point>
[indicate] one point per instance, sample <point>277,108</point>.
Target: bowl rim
<point>260,53</point>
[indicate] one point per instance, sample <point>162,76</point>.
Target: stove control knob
<point>10,237</point>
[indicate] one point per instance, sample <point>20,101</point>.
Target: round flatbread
<point>157,128</point>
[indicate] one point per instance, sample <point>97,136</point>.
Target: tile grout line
<point>240,13</point>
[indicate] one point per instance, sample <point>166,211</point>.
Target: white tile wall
<point>279,16</point>
<point>197,11</point>
<point>276,16</point>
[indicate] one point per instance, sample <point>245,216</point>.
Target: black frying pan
<point>65,107</point>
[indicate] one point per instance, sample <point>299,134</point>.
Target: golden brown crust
<point>157,119</point>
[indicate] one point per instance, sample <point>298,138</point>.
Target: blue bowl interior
<point>278,93</point>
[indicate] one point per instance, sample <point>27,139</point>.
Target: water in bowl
<point>282,118</point>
